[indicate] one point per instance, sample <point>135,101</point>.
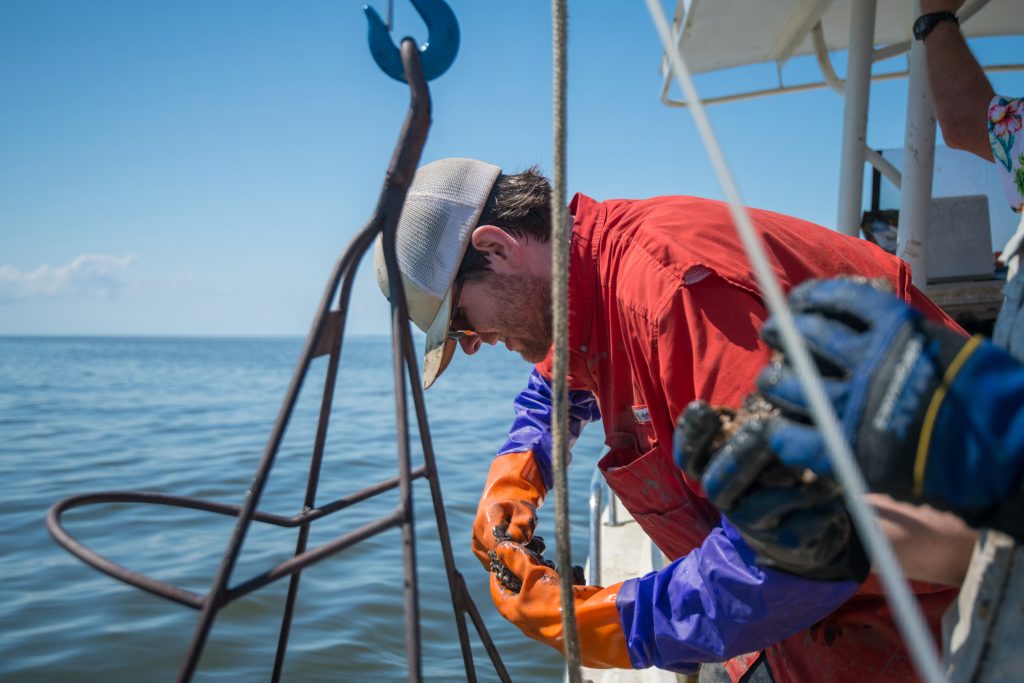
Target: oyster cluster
<point>535,548</point>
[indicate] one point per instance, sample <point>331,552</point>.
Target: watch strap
<point>926,22</point>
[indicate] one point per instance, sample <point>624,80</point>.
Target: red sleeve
<point>578,376</point>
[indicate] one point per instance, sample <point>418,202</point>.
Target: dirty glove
<point>526,592</point>
<point>508,506</point>
<point>794,521</point>
<point>932,416</point>
<point>886,369</point>
<point>521,474</point>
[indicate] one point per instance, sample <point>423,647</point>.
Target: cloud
<point>98,276</point>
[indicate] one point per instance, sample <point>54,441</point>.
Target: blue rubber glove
<point>932,416</point>
<point>887,370</point>
<point>889,374</point>
<point>794,522</point>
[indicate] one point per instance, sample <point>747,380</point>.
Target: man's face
<point>514,309</point>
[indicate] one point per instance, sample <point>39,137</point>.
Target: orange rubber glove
<point>536,608</point>
<point>508,505</point>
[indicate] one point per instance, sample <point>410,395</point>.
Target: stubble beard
<point>524,313</point>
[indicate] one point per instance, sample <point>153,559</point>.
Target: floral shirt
<point>1005,116</point>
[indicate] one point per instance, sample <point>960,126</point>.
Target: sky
<point>197,168</point>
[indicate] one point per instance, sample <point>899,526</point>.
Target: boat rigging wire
<point>560,234</point>
<point>905,609</point>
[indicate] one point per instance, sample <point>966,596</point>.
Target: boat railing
<point>601,498</point>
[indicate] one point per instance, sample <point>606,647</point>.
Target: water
<point>191,417</point>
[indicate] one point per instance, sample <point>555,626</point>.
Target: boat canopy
<point>719,34</point>
<point>713,35</point>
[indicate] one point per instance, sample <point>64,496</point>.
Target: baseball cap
<point>441,211</point>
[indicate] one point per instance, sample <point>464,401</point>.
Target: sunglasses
<point>458,329</point>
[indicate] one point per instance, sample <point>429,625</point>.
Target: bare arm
<point>930,545</point>
<point>960,89</point>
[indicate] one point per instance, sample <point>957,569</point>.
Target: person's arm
<point>931,417</point>
<point>531,428</point>
<point>715,603</point>
<point>960,90</point>
<point>520,475</point>
<point>710,605</point>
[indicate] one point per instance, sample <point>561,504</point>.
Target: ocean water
<point>191,417</point>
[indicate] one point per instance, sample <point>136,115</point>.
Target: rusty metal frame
<point>325,339</point>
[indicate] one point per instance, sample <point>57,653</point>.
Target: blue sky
<point>196,168</point>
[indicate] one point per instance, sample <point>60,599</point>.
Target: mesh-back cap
<point>440,212</point>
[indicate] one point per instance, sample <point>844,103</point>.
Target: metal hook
<point>436,55</point>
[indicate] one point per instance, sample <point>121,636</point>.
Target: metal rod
<point>918,166</point>
<point>596,481</point>
<point>805,87</point>
<point>245,518</point>
<point>322,552</point>
<point>883,166</point>
<point>326,338</point>
<point>485,636</point>
<point>828,72</point>
<point>360,496</point>
<point>613,508</point>
<point>795,32</point>
<point>458,594</point>
<point>400,176</point>
<point>161,588</point>
<point>855,116</point>
<point>146,583</point>
<point>309,503</point>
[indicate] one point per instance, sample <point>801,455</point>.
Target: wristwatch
<point>926,22</point>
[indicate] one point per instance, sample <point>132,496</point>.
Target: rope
<point>905,608</point>
<point>559,299</point>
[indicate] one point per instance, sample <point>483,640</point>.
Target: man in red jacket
<point>663,310</point>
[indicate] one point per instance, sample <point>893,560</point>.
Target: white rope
<point>560,318</point>
<point>905,608</point>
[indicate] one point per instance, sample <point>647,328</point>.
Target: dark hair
<point>520,205</point>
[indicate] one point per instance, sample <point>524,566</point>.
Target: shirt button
<point>583,348</point>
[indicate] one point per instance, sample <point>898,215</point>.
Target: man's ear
<point>504,252</point>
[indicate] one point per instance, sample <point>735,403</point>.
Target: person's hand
<point>508,505</point>
<point>908,395</point>
<point>526,592</point>
<point>887,371</point>
<point>770,491</point>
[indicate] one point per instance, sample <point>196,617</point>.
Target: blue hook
<point>436,55</point>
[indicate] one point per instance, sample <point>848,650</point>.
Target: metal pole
<point>596,482</point>
<point>855,115</point>
<point>918,164</point>
<point>312,483</point>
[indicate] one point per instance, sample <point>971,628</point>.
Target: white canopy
<point>718,34</point>
<point>721,34</point>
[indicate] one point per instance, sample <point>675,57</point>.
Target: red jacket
<point>664,309</point>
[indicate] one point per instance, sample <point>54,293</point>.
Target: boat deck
<point>627,552</point>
